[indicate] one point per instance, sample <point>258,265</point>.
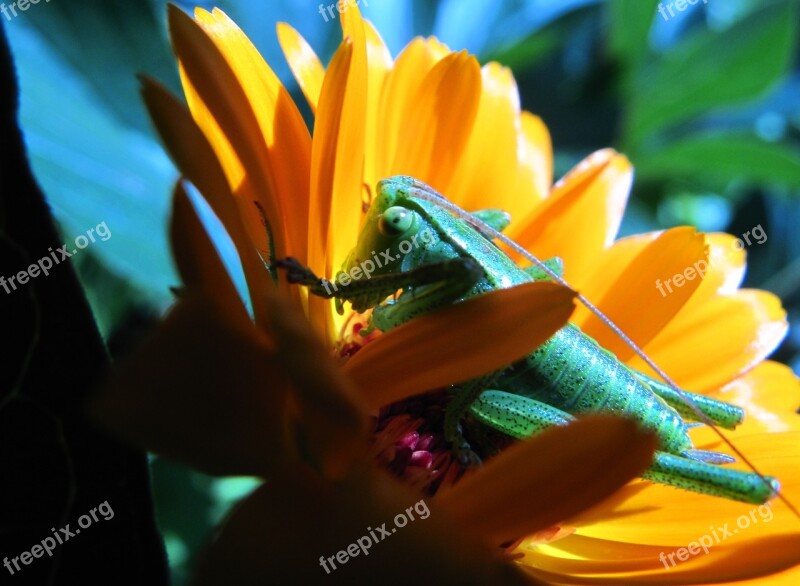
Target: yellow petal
<point>304,63</point>
<point>438,121</point>
<point>726,265</point>
<point>645,285</point>
<point>380,64</point>
<point>217,86</point>
<point>166,397</point>
<point>582,215</point>
<point>195,157</point>
<point>486,175</point>
<point>536,483</point>
<point>535,159</point>
<point>400,88</point>
<point>662,515</point>
<point>605,562</point>
<point>789,577</point>
<point>731,332</point>
<point>298,507</point>
<point>610,265</point>
<point>770,396</point>
<point>284,131</point>
<point>459,342</point>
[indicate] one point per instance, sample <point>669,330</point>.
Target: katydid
<point>569,375</point>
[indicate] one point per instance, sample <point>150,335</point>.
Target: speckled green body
<point>569,371</point>
<point>569,375</point>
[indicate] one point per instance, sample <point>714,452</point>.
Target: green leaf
<point>714,69</point>
<point>725,156</point>
<point>630,28</point>
<point>525,54</point>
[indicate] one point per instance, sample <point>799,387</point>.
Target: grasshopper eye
<point>395,221</point>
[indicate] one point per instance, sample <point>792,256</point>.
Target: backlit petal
<point>304,63</point>
<point>277,535</point>
<point>208,72</point>
<point>604,562</point>
<point>166,396</point>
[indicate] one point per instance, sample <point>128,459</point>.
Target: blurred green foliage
<point>705,103</point>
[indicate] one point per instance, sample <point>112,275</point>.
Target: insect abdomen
<point>574,374</point>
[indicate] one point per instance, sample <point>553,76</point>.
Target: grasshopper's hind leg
<point>521,417</point>
<point>494,218</point>
<point>515,415</point>
<point>555,264</point>
<point>718,412</point>
<point>709,479</point>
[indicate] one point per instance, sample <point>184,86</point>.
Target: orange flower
<point>438,116</point>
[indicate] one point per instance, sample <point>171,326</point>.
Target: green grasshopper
<point>438,259</point>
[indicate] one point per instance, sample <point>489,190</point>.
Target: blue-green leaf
<point>714,69</point>
<point>725,156</point>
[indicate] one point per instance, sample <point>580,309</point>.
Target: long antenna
<point>425,192</point>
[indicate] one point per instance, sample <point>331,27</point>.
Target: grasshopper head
<point>391,230</point>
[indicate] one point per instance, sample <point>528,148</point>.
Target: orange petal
<point>337,156</point>
<point>332,421</point>
<point>459,342</point>
<point>712,346</point>
<point>439,120</point>
<point>582,215</point>
<point>645,283</point>
<point>167,396</point>
<point>487,173</point>
<point>199,265</point>
<point>536,483</point>
<point>194,156</point>
<point>266,538</point>
<point>304,63</point>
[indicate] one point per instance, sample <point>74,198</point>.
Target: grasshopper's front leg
<point>299,274</point>
<point>425,288</point>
